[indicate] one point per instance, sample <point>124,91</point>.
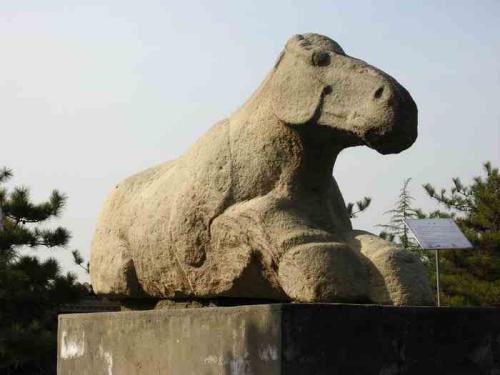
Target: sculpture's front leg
<point>396,276</point>
<point>297,258</point>
<point>323,272</point>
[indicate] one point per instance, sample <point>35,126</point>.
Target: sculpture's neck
<point>318,145</point>
<point>258,107</point>
<point>320,151</point>
<point>312,182</point>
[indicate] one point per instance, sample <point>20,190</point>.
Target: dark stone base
<point>283,339</point>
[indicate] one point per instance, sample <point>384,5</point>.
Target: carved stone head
<point>316,83</point>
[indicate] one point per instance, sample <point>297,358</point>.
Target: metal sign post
<point>437,234</point>
<point>437,279</point>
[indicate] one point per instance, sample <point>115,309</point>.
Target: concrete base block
<point>282,339</point>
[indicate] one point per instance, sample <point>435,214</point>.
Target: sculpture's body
<point>252,211</point>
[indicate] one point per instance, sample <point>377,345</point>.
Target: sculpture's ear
<point>296,92</point>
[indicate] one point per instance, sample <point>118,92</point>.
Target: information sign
<point>437,234</point>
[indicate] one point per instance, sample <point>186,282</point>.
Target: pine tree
<point>396,230</point>
<point>31,290</point>
<point>472,277</point>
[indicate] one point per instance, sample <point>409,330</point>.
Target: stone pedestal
<point>282,339</point>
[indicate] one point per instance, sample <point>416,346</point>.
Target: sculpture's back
<point>252,211</point>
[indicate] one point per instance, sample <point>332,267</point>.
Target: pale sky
<point>93,91</point>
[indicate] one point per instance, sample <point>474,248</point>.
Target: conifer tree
<point>472,277</point>
<point>31,290</point>
<point>396,230</point>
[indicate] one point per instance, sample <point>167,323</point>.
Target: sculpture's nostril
<point>378,93</point>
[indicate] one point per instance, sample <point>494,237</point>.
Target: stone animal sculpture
<point>251,210</point>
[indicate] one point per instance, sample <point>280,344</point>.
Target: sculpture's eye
<point>321,59</point>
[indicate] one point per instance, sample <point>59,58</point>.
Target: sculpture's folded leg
<point>297,260</point>
<point>397,276</point>
<point>244,261</point>
<point>323,272</point>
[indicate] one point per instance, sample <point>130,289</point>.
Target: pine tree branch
<point>362,205</point>
<point>5,174</point>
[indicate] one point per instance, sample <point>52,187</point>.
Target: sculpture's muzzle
<point>369,104</point>
<point>396,127</point>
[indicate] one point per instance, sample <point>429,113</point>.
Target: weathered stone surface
<point>230,340</point>
<point>251,210</point>
<point>290,339</point>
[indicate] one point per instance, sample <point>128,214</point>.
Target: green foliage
<point>361,206</point>
<point>396,230</point>
<point>472,277</point>
<point>31,290</point>
<point>79,261</point>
